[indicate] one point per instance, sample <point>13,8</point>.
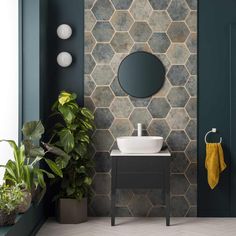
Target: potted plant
<point>25,169</point>
<point>10,198</point>
<point>73,135</point>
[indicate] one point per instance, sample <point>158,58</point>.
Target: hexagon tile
<point>167,29</point>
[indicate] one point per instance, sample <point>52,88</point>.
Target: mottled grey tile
<point>88,4</point>
<point>102,162</point>
<point>116,88</point>
<point>140,115</point>
<point>177,140</point>
<point>191,129</point>
<point>144,132</point>
<point>140,32</point>
<point>121,107</point>
<point>89,85</point>
<point>121,42</point>
<point>164,59</point>
<point>178,75</point>
<point>192,42</point>
<point>103,31</point>
<point>122,4</point>
<point>102,140</point>
<point>139,206</point>
<point>159,127</point>
<point>178,32</point>
<point>192,21</point>
<point>116,60</point>
<point>178,97</point>
<point>89,20</point>
<point>191,107</point>
<point>103,118</point>
<point>178,184</point>
<point>178,10</point>
<point>89,42</point>
<point>140,102</point>
<point>179,206</point>
<point>101,183</point>
<point>191,151</point>
<point>158,211</point>
<point>122,21</point>
<point>141,47</point>
<point>141,10</point>
<point>177,118</point>
<point>103,53</point>
<point>192,212</point>
<point>192,64</point>
<point>89,63</point>
<point>103,75</point>
<point>88,103</point>
<point>191,173</point>
<point>121,127</point>
<point>164,90</point>
<point>159,4</point>
<point>102,96</point>
<point>159,107</point>
<point>101,205</point>
<point>192,4</point>
<point>123,197</point>
<point>179,162</point>
<point>191,195</point>
<point>191,85</point>
<point>156,197</point>
<point>123,212</point>
<point>103,9</point>
<point>159,21</point>
<point>159,42</point>
<point>178,54</point>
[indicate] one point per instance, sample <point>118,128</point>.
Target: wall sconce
<point>64,59</point>
<point>64,31</point>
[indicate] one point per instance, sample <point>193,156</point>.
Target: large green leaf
<point>55,150</point>
<point>40,178</point>
<point>67,113</point>
<point>87,113</point>
<point>53,166</point>
<point>67,139</point>
<point>65,97</point>
<point>33,130</point>
<point>61,162</point>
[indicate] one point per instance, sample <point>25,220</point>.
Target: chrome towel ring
<point>213,130</point>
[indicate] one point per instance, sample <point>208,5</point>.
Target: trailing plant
<point>73,135</point>
<point>25,170</point>
<point>10,198</point>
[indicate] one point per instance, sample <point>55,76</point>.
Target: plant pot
<point>25,205</point>
<point>7,219</point>
<point>71,211</point>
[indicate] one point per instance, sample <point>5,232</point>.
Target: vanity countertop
<point>162,153</point>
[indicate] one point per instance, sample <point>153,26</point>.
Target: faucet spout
<point>139,129</point>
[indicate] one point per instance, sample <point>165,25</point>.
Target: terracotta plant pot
<point>71,211</point>
<point>25,205</point>
<point>7,219</point>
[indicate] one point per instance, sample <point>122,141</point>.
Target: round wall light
<point>64,59</point>
<point>64,31</point>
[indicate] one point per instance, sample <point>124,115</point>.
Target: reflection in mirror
<point>141,74</point>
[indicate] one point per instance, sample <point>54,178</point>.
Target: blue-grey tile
<point>178,75</point>
<point>89,42</point>
<point>178,184</point>
<point>102,96</point>
<point>192,4</point>
<point>121,42</point>
<point>123,212</point>
<point>89,20</point>
<point>121,127</point>
<point>103,118</point>
<point>101,205</point>
<point>177,140</point>
<point>140,32</point>
<point>122,4</point>
<point>159,4</point>
<point>191,129</point>
<point>159,127</point>
<point>140,115</point>
<point>159,42</point>
<point>159,21</point>
<point>88,103</point>
<point>192,212</point>
<point>121,107</point>
<point>103,74</point>
<point>179,162</point>
<point>116,88</point>
<point>139,206</point>
<point>191,173</point>
<point>191,195</point>
<point>102,162</point>
<point>89,85</point>
<point>103,140</point>
<point>191,107</point>
<point>140,102</point>
<point>178,53</point>
<point>141,47</point>
<point>192,64</point>
<point>192,42</point>
<point>192,21</point>
<point>103,53</point>
<point>88,4</point>
<point>191,85</point>
<point>141,10</point>
<point>116,60</point>
<point>159,107</point>
<point>191,151</point>
<point>103,31</point>
<point>178,97</point>
<point>178,10</point>
<point>101,183</point>
<point>103,9</point>
<point>177,118</point>
<point>123,197</point>
<point>89,63</point>
<point>178,32</point>
<point>122,20</point>
<point>179,206</point>
<point>156,197</point>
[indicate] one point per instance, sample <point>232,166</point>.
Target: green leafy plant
<point>73,136</point>
<point>10,198</point>
<point>25,170</point>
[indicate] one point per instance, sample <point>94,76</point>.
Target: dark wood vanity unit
<point>140,171</point>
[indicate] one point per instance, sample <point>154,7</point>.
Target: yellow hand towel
<point>214,163</point>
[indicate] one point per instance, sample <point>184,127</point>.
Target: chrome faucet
<point>139,129</point>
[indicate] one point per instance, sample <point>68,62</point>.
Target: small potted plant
<point>10,199</point>
<point>73,135</point>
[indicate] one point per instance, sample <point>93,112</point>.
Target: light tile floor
<point>143,227</point>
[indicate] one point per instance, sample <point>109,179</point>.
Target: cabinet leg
<point>167,191</point>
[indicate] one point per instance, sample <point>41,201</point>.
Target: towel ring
<point>213,130</point>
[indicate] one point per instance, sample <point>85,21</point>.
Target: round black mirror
<point>141,74</point>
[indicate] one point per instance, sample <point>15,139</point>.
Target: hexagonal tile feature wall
<point>121,42</point>
<point>191,107</point>
<point>123,197</point>
<point>191,129</point>
<point>191,173</point>
<point>88,103</point>
<point>89,20</point>
<point>192,43</point>
<point>192,212</point>
<point>159,4</point>
<point>88,4</point>
<point>179,162</point>
<point>89,85</point>
<point>141,10</point>
<point>140,31</point>
<point>191,151</point>
<point>178,10</point>
<point>139,205</point>
<point>178,32</point>
<point>158,211</point>
<point>103,75</point>
<point>159,42</point>
<point>103,9</point>
<point>179,206</point>
<point>121,127</point>
<point>192,4</point>
<point>159,127</point>
<point>192,64</point>
<point>191,85</point>
<point>102,162</point>
<point>122,4</point>
<point>103,31</point>
<point>179,184</point>
<point>159,107</point>
<point>177,118</point>
<point>191,21</point>
<point>103,140</point>
<point>122,21</point>
<point>177,140</point>
<point>117,90</point>
<point>102,96</point>
<point>101,183</point>
<point>140,115</point>
<point>178,75</point>
<point>103,118</point>
<point>116,60</point>
<point>103,53</point>
<point>140,102</point>
<point>178,97</point>
<point>101,205</point>
<point>159,21</point>
<point>156,197</point>
<point>178,54</point>
<point>89,42</point>
<point>126,107</point>
<point>89,63</point>
<point>191,195</point>
<point>141,47</point>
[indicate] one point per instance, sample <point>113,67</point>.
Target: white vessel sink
<point>137,144</point>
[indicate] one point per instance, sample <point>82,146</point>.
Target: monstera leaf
<point>65,97</point>
<point>33,130</point>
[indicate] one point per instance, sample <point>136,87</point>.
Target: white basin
<point>137,144</point>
